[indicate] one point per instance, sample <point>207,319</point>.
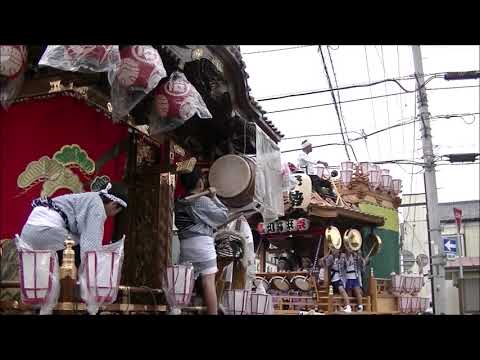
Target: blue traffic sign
<point>450,245</point>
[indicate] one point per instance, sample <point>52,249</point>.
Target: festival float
<point>75,117</point>
<point>357,211</point>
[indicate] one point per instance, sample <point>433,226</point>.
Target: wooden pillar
<point>372,290</point>
<point>330,299</point>
<point>326,273</point>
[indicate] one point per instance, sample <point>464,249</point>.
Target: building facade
<point>414,241</point>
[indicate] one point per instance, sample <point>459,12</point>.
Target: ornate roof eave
<point>229,62</point>
<point>338,212</point>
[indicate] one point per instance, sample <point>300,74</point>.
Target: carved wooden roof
<point>230,65</point>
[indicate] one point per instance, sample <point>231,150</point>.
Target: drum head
<point>230,175</point>
<point>301,283</point>
<point>334,238</point>
<point>279,283</point>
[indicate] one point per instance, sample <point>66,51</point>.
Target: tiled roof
<point>235,50</point>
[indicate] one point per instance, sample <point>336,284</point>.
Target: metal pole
<point>438,258</point>
<point>461,253</point>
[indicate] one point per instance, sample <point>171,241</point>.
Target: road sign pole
<point>458,219</point>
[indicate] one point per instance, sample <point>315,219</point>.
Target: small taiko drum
<point>279,283</point>
<point>234,178</point>
<point>301,283</point>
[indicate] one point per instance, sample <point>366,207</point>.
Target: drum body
<point>234,178</point>
<point>301,283</point>
<point>279,283</point>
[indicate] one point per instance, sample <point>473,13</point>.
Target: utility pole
<point>438,257</point>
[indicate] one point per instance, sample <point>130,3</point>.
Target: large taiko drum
<point>301,283</point>
<point>279,283</point>
<point>234,178</point>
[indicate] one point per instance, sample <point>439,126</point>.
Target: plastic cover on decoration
<point>260,302</point>
<point>13,62</point>
<point>175,102</point>
<point>139,72</point>
<point>81,58</point>
<point>288,181</point>
<point>39,277</point>
<point>268,178</point>
<point>178,286</point>
<point>99,275</point>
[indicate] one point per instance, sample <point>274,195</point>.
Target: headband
<point>105,193</point>
<point>306,144</point>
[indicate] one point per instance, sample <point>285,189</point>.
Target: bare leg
<point>344,294</point>
<point>210,294</point>
<point>358,294</point>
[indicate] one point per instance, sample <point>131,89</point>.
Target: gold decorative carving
<point>55,86</point>
<point>197,53</point>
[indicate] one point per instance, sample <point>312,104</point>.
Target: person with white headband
<point>81,216</point>
<point>304,160</point>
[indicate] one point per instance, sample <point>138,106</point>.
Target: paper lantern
<point>102,270</point>
<point>347,165</point>
<point>281,226</point>
<point>405,303</point>
<point>141,68</point>
<point>415,304</point>
<point>321,171</point>
<point>374,178</point>
<point>291,225</point>
<point>397,186</point>
<point>260,304</point>
<point>301,195</point>
<point>303,224</point>
<point>98,54</point>
<point>36,275</point>
<point>236,301</point>
<point>180,281</point>
<point>412,284</point>
<point>13,59</point>
<point>261,228</point>
<point>387,182</point>
<point>364,168</point>
<point>346,177</point>
<point>397,284</point>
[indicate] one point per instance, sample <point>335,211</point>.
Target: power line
<point>364,136</point>
<point>274,50</point>
<point>371,97</point>
<point>334,100</point>
<point>278,97</point>
<point>339,104</point>
<point>367,98</point>
<point>401,102</point>
<point>470,163</point>
<point>313,91</point>
<point>386,99</point>
<point>398,124</point>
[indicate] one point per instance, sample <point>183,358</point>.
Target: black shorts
<point>337,284</point>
